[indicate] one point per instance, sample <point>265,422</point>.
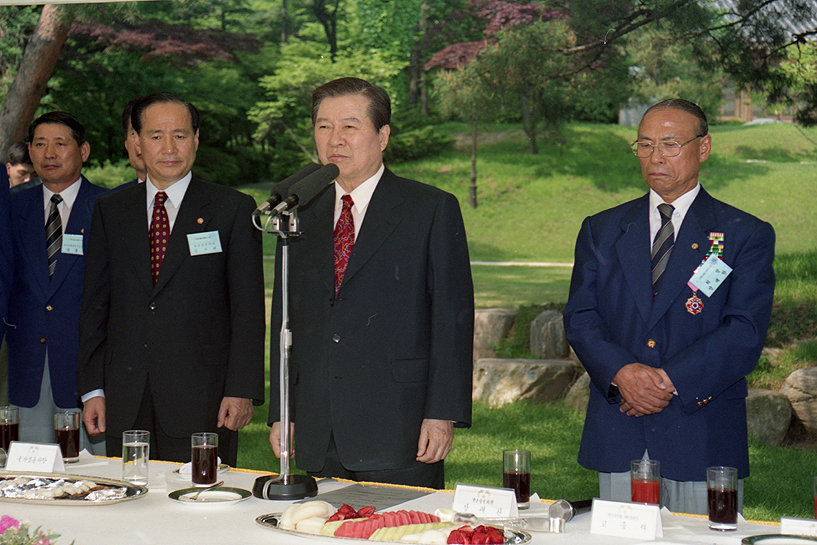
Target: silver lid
<point>557,525</point>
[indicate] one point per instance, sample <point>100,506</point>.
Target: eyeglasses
<point>644,149</point>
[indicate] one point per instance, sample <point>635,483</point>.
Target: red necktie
<point>159,233</point>
<point>344,240</point>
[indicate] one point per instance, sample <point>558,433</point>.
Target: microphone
<point>282,188</point>
<point>307,189</point>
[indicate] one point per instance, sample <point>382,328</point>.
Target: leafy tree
<point>470,95</point>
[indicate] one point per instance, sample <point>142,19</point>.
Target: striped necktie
<point>53,233</point>
<point>662,246</point>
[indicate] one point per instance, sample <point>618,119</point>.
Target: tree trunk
<point>526,103</point>
<point>35,70</point>
<point>283,21</point>
<point>416,66</point>
<point>472,189</point>
<point>330,24</point>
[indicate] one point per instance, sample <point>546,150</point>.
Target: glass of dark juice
<point>66,434</point>
<point>516,475</point>
<point>645,481</point>
<point>9,426</point>
<point>722,496</point>
<point>204,454</point>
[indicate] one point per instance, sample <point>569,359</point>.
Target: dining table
<point>160,515</point>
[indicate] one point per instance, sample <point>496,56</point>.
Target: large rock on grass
<point>801,389</point>
<point>579,394</point>
<point>491,325</point>
<point>501,381</point>
<point>547,336</point>
<point>768,415</point>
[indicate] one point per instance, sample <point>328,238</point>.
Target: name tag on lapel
<point>71,244</point>
<point>204,243</point>
<point>710,275</point>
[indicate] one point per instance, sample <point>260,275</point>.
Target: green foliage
<point>794,314</point>
<point>666,67</point>
<point>15,24</point>
<point>772,371</point>
<point>517,344</point>
<point>416,144</point>
<point>109,174</point>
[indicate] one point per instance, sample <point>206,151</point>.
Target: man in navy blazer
<point>668,368</point>
<point>43,316</point>
<point>381,351</point>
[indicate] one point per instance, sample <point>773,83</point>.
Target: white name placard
<point>485,501</point>
<point>622,519</point>
<point>800,527</point>
<point>35,457</point>
<point>204,243</point>
<point>71,244</point>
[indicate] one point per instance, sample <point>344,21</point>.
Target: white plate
<point>782,539</point>
<point>187,475</point>
<point>219,495</point>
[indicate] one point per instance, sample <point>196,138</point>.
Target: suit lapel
<point>689,251</point>
<point>76,226</point>
<point>318,235</point>
<point>192,218</point>
<point>32,215</point>
<point>135,233</point>
<point>633,250</point>
<point>380,220</point>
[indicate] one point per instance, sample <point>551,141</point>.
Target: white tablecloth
<point>156,519</point>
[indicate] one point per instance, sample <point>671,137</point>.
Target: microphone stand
<point>284,486</point>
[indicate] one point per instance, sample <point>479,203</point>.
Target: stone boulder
<point>491,325</point>
<point>579,394</point>
<point>547,336</point>
<point>768,415</point>
<point>501,381</point>
<point>801,389</point>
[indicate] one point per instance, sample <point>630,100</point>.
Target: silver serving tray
<point>132,491</point>
<point>513,536</point>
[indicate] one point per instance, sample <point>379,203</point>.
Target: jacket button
<point>49,308</point>
<point>153,306</point>
<point>42,340</point>
<point>651,343</point>
<point>336,338</point>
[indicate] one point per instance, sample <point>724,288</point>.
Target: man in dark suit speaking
<point>381,309</point>
<point>172,323</point>
<point>668,310</point>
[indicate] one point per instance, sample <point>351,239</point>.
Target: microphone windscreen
<point>282,187</point>
<point>308,188</point>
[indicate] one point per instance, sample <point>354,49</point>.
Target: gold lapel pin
<point>200,221</point>
<point>694,245</point>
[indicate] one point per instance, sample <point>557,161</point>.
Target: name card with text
<point>799,527</point>
<point>34,457</point>
<point>622,519</point>
<point>485,501</point>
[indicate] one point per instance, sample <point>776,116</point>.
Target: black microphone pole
<point>286,486</point>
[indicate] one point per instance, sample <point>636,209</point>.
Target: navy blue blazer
<point>611,320</point>
<point>6,254</point>
<point>44,313</point>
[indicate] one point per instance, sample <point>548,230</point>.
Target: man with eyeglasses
<point>668,310</point>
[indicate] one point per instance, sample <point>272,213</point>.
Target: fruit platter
<point>62,489</point>
<point>320,518</point>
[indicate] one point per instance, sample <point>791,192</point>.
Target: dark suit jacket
<point>395,346</point>
<point>43,312</point>
<point>198,335</point>
<point>611,320</point>
<point>6,255</point>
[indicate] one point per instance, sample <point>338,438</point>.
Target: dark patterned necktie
<point>662,246</point>
<point>159,233</point>
<point>53,233</point>
<point>344,240</point>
